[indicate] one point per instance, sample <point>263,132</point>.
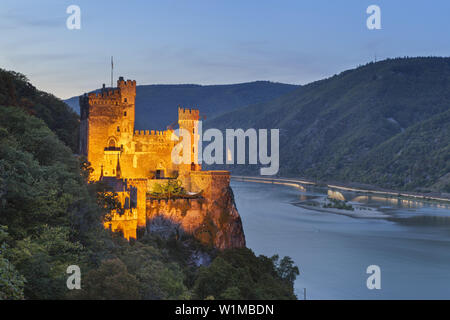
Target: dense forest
<point>384,123</point>
<point>51,218</point>
<point>16,90</point>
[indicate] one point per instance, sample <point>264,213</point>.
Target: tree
<point>11,281</point>
<point>239,274</point>
<point>171,188</point>
<point>287,270</point>
<point>111,281</point>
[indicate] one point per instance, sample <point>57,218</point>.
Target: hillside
<point>349,127</point>
<point>16,90</point>
<point>51,218</point>
<point>419,156</point>
<point>156,105</point>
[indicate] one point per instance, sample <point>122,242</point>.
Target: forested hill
<point>156,105</point>
<point>16,90</point>
<point>51,218</point>
<point>382,123</point>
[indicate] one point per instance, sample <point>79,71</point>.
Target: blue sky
<point>210,41</point>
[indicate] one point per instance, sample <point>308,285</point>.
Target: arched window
<point>112,143</point>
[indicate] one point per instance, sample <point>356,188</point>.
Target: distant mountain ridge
<point>156,105</point>
<point>384,123</point>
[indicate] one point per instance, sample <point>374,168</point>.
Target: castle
<point>133,162</point>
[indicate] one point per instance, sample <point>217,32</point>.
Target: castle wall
<point>127,224</point>
<point>212,183</point>
<point>141,186</point>
<point>187,213</point>
<point>127,220</point>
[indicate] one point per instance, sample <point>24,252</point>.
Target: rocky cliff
<point>215,222</point>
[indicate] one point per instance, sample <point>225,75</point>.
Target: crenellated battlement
<point>188,114</point>
<point>105,93</point>
<point>105,97</point>
<point>121,83</point>
<point>123,94</point>
<point>150,133</point>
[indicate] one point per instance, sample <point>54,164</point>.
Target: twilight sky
<point>210,41</point>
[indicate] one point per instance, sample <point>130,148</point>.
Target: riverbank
<point>300,183</point>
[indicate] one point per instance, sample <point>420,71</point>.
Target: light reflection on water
<point>412,246</point>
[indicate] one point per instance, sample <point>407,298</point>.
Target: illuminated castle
<point>131,162</point>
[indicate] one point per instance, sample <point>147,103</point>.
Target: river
<point>333,251</point>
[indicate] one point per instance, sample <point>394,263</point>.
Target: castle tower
<point>188,119</point>
<point>127,91</point>
<point>107,126</point>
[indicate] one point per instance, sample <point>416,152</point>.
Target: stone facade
<point>132,161</point>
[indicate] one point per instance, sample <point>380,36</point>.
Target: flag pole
<point>112,68</point>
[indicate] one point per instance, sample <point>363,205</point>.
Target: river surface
<point>333,251</point>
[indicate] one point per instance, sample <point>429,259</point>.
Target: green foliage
<point>43,261</point>
<point>338,204</point>
<point>16,90</point>
<point>286,269</point>
<point>384,123</point>
<point>417,158</point>
<point>54,220</point>
<point>11,281</point>
<point>172,188</point>
<point>111,281</point>
<point>45,202</point>
<point>158,278</point>
<point>239,274</point>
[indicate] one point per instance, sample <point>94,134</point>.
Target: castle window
<point>125,114</point>
<point>118,129</point>
<point>125,100</point>
<point>111,143</point>
<point>159,174</point>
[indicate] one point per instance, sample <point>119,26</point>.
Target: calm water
<point>333,251</point>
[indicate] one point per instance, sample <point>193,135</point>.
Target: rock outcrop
<point>215,222</point>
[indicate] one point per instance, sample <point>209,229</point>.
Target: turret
<point>188,120</point>
<point>127,90</point>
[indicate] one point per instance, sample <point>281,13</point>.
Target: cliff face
<point>214,222</point>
